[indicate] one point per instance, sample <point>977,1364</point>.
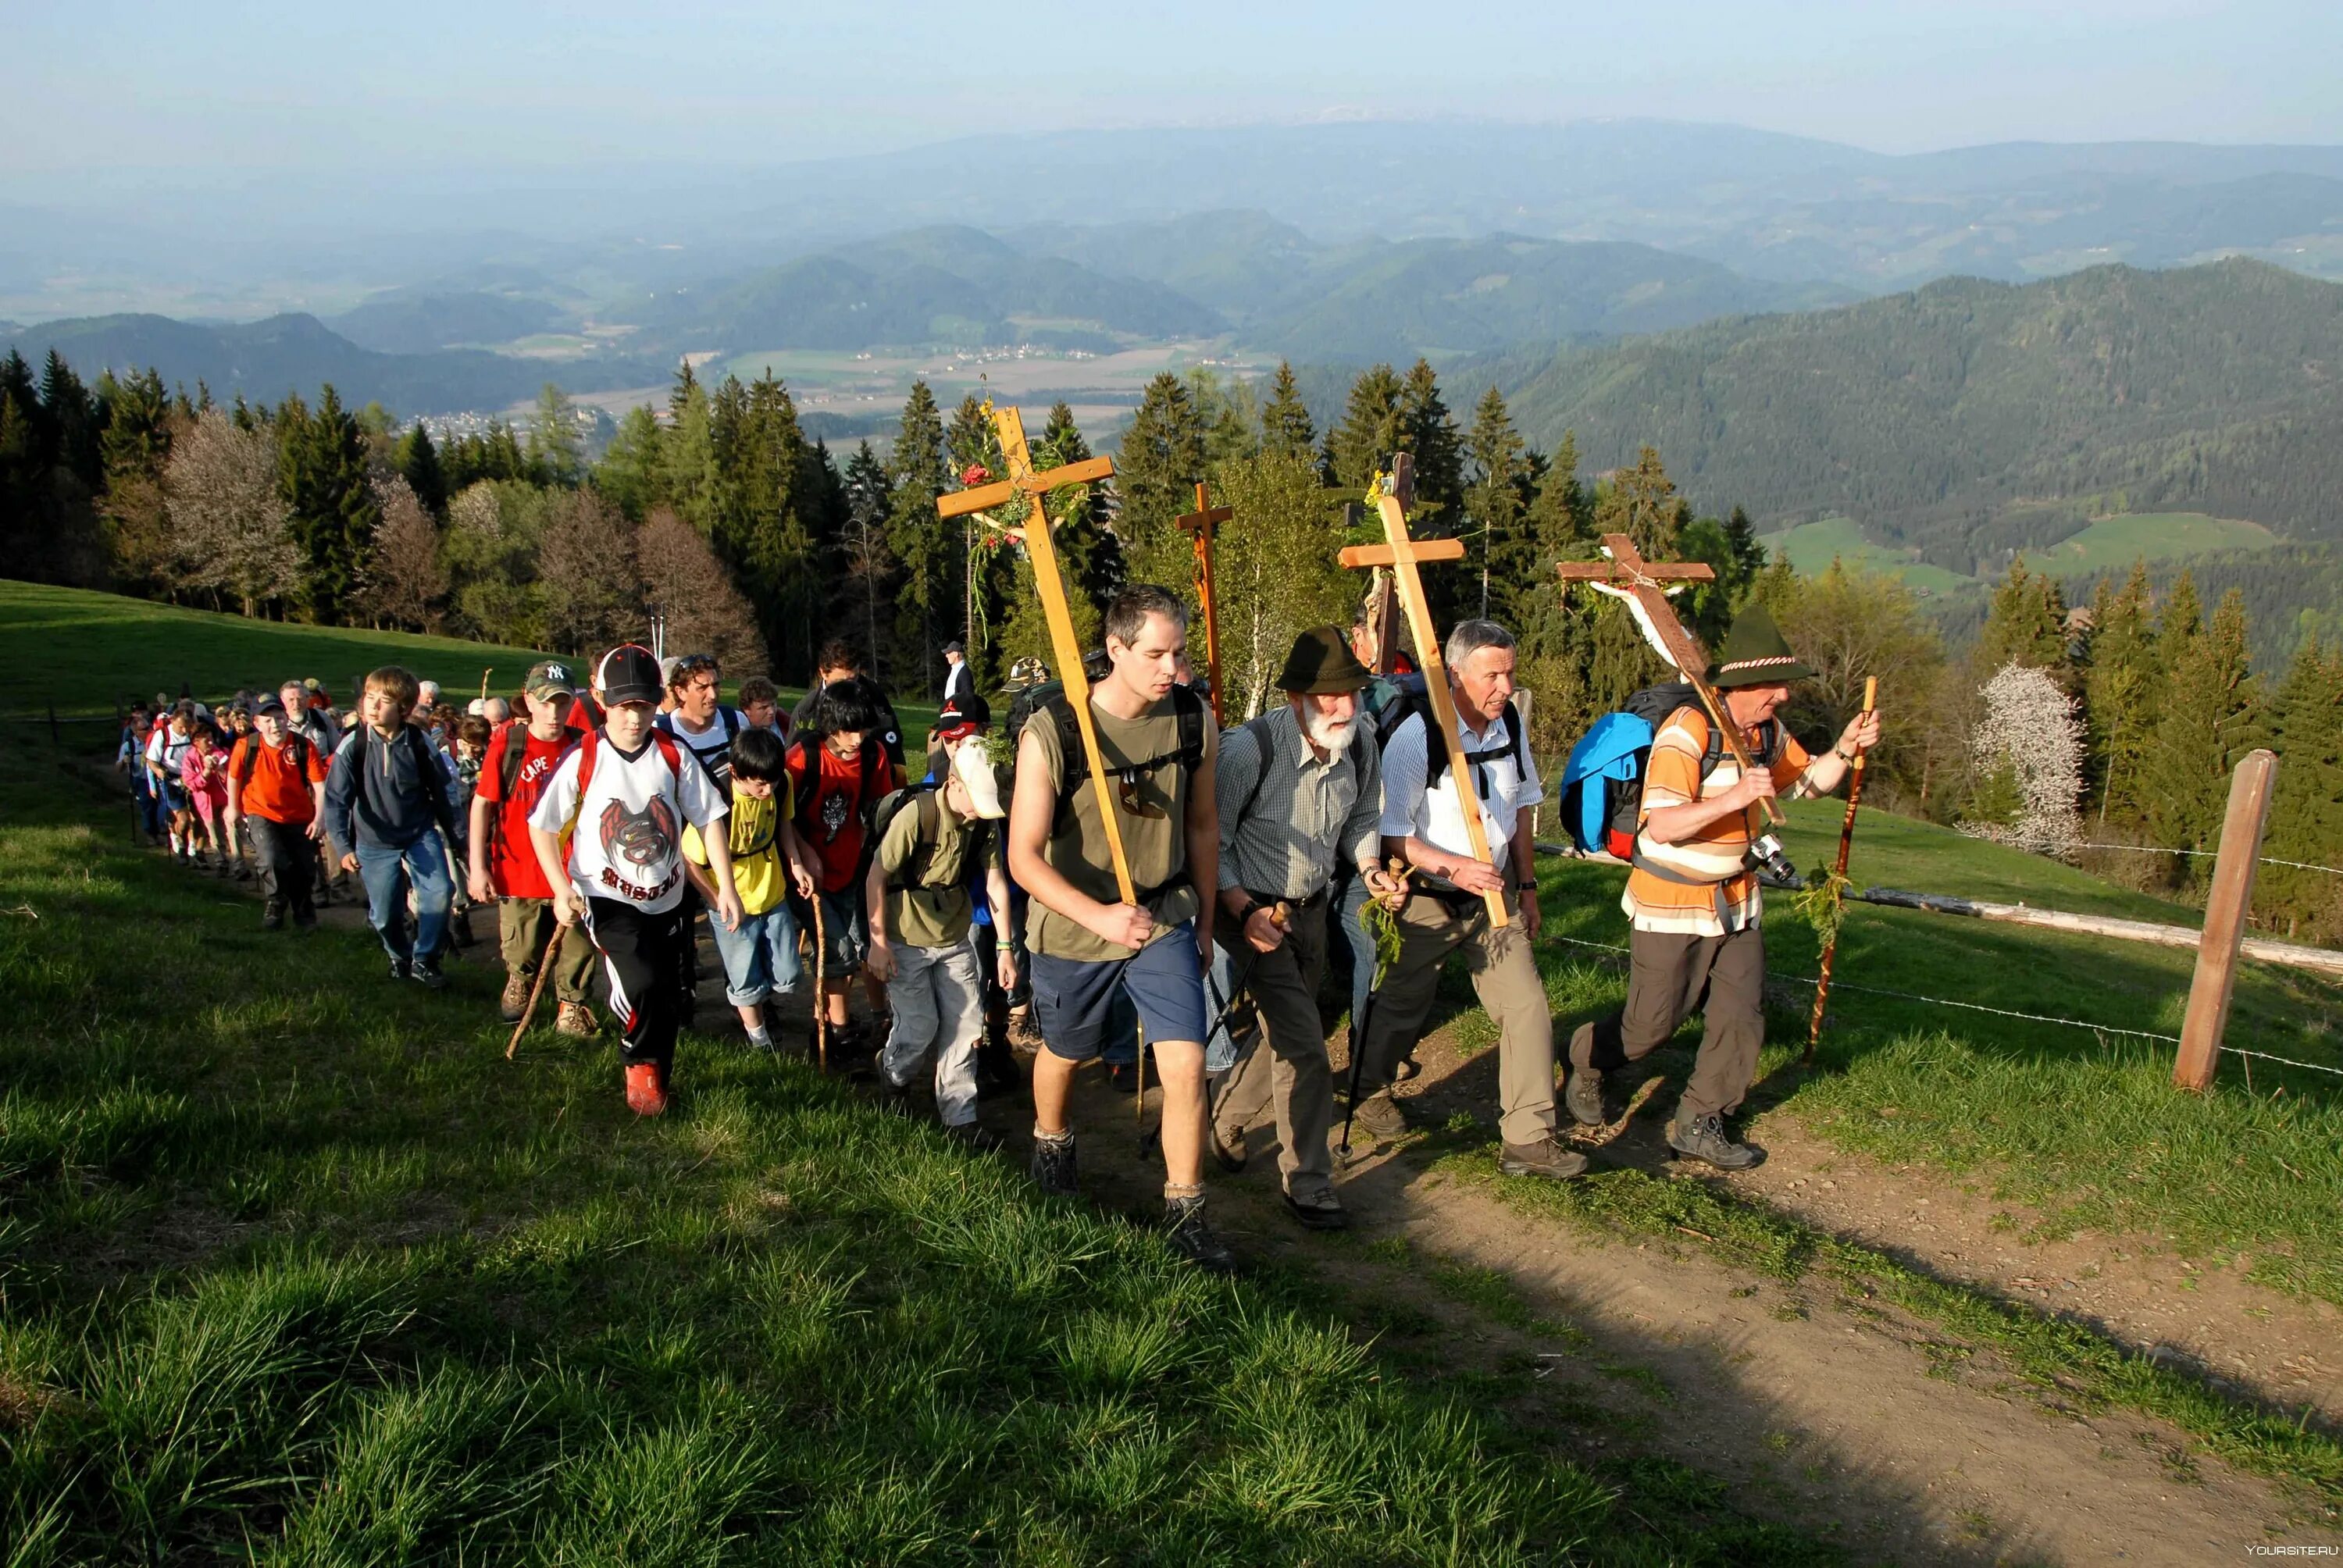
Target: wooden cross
<point>1402,555</point>
<point>1623,573</point>
<point>1047,582</point>
<point>1201,523</point>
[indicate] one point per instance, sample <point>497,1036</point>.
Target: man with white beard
<point>1298,791</point>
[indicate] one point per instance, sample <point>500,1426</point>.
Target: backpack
<point>732,722</point>
<point>586,759</point>
<point>514,756</point>
<point>1392,700</point>
<point>297,743</point>
<point>1187,707</point>
<point>921,797</point>
<point>1257,727</point>
<point>427,766</point>
<point>1602,782</point>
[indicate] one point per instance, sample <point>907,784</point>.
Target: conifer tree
<point>2026,625</point>
<point>418,461</point>
<point>324,476</point>
<point>1748,553</point>
<point>1428,435</point>
<point>555,450</point>
<point>690,477</point>
<point>1361,444</point>
<point>2203,726</point>
<point>2181,624</point>
<point>1285,427</point>
<point>2119,690</point>
<point>1089,554</point>
<point>929,548</point>
<point>138,427</point>
<point>1497,507</point>
<point>2306,723</point>
<point>632,472</point>
<point>762,504</point>
<point>1642,503</point>
<point>867,566</point>
<point>1156,470</point>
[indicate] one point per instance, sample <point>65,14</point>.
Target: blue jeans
<point>386,872</point>
<point>761,957</point>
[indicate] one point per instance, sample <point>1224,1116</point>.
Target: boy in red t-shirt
<point>521,759</point>
<point>276,782</point>
<point>839,772</point>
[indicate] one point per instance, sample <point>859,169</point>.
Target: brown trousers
<point>523,927</point>
<point>1669,977</point>
<point>1293,1073</point>
<point>1505,978</point>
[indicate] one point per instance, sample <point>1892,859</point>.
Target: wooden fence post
<point>2225,921</point>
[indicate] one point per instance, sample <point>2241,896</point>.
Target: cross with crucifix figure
<point>1051,587</point>
<point>1642,586</point>
<point>1402,555</point>
<point>1201,523</point>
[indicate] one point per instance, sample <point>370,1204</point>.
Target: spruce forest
<point>757,543</point>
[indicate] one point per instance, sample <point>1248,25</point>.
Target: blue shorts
<point>1071,996</point>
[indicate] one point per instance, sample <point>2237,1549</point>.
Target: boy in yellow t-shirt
<point>761,958</point>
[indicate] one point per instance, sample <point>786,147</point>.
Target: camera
<point>1764,855</point>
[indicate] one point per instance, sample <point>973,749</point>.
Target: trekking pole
<point>821,985</point>
<point>1359,1036</point>
<point>544,968</point>
<point>1845,841</point>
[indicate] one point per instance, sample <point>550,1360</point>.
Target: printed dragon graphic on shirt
<point>644,838</point>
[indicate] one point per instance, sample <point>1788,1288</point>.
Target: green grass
<point>296,1268</point>
<point>2111,544</point>
<point>1812,547</point>
<point>2085,1129</point>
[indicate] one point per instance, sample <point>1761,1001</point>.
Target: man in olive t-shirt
<point>1086,943</point>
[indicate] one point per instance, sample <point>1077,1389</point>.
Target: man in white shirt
<point>1423,822</point>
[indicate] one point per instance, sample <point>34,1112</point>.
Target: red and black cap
<point>962,716</point>
<point>628,674</point>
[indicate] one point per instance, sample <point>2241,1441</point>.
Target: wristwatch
<point>1529,887</point>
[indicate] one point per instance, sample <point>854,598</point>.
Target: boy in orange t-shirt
<point>276,782</point>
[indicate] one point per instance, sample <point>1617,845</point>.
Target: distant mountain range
<point>264,360</point>
<point>1970,417</point>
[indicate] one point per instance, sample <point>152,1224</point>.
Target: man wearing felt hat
<point>1299,795</point>
<point>1692,896</point>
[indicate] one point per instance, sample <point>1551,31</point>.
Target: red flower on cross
<point>972,475</point>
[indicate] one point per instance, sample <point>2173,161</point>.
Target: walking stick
<point>1846,839</point>
<point>821,985</point>
<point>544,968</point>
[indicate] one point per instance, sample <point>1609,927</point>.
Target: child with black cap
<point>609,833</point>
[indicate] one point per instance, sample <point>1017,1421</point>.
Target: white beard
<point>1328,736</point>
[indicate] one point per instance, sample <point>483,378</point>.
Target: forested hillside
<point>1931,415</point>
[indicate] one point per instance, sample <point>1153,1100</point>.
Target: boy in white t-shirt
<point>609,831</point>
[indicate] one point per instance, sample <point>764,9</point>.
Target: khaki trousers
<point>523,927</point>
<point>1671,976</point>
<point>1505,978</point>
<point>1294,1073</point>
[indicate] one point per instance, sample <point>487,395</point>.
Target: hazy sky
<point>226,88</point>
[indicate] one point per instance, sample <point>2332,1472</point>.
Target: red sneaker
<point>645,1095</point>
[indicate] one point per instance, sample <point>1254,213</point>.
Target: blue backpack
<point>1602,782</point>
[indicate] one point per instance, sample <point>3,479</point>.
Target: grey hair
<point>1467,637</point>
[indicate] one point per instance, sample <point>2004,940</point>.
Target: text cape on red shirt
<point>513,869</point>
<point>629,841</point>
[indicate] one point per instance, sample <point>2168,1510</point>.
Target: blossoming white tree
<point>2029,746</point>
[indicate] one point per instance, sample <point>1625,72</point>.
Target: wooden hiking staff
<point>544,968</point>
<point>1200,523</point>
<point>1845,841</point>
<point>820,984</point>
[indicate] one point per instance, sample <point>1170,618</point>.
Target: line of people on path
<point>611,808</point>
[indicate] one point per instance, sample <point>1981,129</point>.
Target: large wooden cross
<point>1047,582</point>
<point>1404,554</point>
<point>1624,574</point>
<point>1201,523</point>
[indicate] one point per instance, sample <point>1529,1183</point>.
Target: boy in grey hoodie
<point>386,807</point>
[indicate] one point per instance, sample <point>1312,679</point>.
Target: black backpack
<point>1408,697</point>
<point>922,797</point>
<point>296,743</point>
<point>1187,707</point>
<point>873,757</point>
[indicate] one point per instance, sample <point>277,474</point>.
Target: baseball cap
<point>962,716</point>
<point>974,766</point>
<point>551,677</point>
<point>629,674</point>
<point>269,705</point>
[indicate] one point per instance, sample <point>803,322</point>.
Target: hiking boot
<point>426,973</point>
<point>323,898</point>
<point>1583,1097</point>
<point>996,1071</point>
<point>243,872</point>
<point>515,1001</point>
<point>305,920</point>
<point>645,1095</point>
<point>1380,1118</point>
<point>1543,1158</point>
<point>401,968</point>
<point>574,1019</point>
<point>895,1100</point>
<point>1053,1165</point>
<point>1192,1237</point>
<point>1325,1213</point>
<point>1704,1139</point>
<point>272,916</point>
<point>1228,1145</point>
<point>974,1136</point>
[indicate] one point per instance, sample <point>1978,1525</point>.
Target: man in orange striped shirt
<point>1693,899</point>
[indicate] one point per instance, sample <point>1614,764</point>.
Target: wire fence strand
<point>2214,855</point>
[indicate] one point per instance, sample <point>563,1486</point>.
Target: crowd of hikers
<point>971,894</point>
